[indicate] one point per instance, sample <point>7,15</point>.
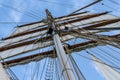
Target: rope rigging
<point>51,64</point>
<point>20,11</point>
<point>115,2</point>
<point>86,6</point>
<point>79,74</point>
<point>115,10</point>
<point>105,57</point>
<point>49,70</point>
<point>98,61</point>
<point>57,3</point>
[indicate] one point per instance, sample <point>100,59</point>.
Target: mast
<point>66,69</point>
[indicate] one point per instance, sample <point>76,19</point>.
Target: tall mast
<point>66,69</point>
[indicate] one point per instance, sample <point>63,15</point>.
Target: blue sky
<point>20,11</point>
<point>26,11</point>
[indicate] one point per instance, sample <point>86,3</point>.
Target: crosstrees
<point>30,58</point>
<point>64,23</point>
<point>27,39</point>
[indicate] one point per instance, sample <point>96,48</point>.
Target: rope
<point>109,54</point>
<point>104,57</point>
<point>101,61</point>
<point>115,2</point>
<point>15,9</point>
<point>98,61</point>
<point>76,68</point>
<point>86,6</point>
<point>49,70</point>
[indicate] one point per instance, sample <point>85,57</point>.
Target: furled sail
<point>54,39</point>
<point>24,47</point>
<point>108,72</point>
<point>23,39</point>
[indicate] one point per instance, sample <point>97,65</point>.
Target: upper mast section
<point>65,66</point>
<point>50,22</point>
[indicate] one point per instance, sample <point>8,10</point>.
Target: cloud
<point>20,7</point>
<point>16,16</point>
<point>97,69</point>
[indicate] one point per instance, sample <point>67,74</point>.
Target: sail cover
<point>108,72</point>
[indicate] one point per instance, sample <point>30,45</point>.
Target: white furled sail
<point>27,48</point>
<point>108,72</point>
<point>33,30</point>
<point>86,21</point>
<point>44,47</point>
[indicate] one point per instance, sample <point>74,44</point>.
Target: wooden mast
<point>59,48</point>
<point>65,66</point>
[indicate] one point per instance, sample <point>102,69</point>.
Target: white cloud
<point>96,68</point>
<point>21,8</point>
<point>16,16</point>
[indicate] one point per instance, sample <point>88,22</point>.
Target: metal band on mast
<point>66,69</point>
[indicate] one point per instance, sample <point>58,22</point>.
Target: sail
<point>33,30</point>
<point>23,39</point>
<point>42,24</point>
<point>42,55</point>
<point>24,47</point>
<point>52,40</point>
<point>108,72</point>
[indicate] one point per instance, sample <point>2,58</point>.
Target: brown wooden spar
<point>39,28</point>
<point>27,59</point>
<point>64,23</point>
<point>102,23</point>
<point>56,33</point>
<point>20,44</point>
<point>39,56</point>
<point>84,18</point>
<point>72,15</point>
<point>55,18</point>
<point>117,36</point>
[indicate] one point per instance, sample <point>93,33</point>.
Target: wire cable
<point>57,3</point>
<point>15,9</point>
<point>98,61</point>
<point>114,2</point>
<point>104,57</point>
<point>86,6</point>
<point>116,10</point>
